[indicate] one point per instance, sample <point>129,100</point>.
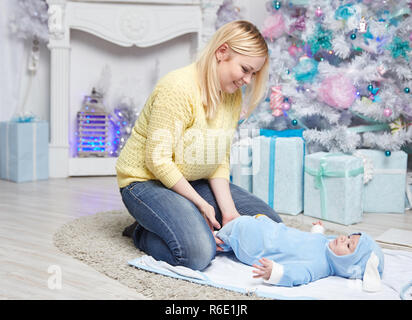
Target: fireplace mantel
<point>125,23</point>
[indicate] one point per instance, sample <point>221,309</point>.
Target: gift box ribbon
<point>323,172</point>
<point>273,134</point>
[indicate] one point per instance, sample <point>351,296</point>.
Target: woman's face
<point>235,70</point>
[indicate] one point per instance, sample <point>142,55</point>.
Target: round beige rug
<point>97,241</point>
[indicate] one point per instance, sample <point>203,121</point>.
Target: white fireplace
<point>85,34</point>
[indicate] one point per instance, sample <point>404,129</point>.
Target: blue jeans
<point>172,229</point>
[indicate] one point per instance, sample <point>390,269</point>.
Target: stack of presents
<point>337,187</point>
<point>24,150</point>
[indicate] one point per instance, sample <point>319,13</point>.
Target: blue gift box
<point>241,164</point>
<point>408,197</point>
<point>334,187</point>
<point>386,191</point>
<point>277,162</point>
<point>24,154</point>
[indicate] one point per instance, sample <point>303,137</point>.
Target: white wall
<point>255,11</point>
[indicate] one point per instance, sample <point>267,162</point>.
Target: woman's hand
<point>208,213</point>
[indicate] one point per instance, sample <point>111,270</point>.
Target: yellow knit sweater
<point>172,137</point>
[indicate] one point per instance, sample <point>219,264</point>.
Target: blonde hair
<point>243,38</point>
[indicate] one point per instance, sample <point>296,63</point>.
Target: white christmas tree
<point>341,70</point>
<point>29,20</point>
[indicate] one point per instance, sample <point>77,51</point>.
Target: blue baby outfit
<point>353,265</point>
<point>304,256</point>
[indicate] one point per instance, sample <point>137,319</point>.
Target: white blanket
<point>225,271</point>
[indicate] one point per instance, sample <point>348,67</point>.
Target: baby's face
<point>344,245</point>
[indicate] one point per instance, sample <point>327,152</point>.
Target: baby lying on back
<point>286,256</point>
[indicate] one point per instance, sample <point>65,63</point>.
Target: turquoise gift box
<point>241,163</point>
<point>24,154</point>
<point>277,167</point>
<point>334,187</point>
<point>386,191</point>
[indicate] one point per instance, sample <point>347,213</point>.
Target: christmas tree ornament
<point>298,24</point>
<point>306,69</point>
<point>362,25</point>
<point>398,48</point>
<point>274,26</point>
<point>318,12</point>
<point>387,112</point>
<point>407,90</point>
<point>337,91</point>
<point>294,50</point>
<point>285,106</point>
<point>388,153</point>
<point>366,101</point>
<point>353,36</point>
<point>381,70</point>
<point>276,101</point>
<point>399,125</point>
<point>294,122</point>
<point>277,112</point>
<point>345,11</point>
<point>321,39</point>
<point>276,5</point>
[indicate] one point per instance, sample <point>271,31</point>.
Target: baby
<point>290,257</point>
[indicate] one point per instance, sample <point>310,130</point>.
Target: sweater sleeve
<point>223,170</point>
<point>170,115</point>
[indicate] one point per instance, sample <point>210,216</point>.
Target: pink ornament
<point>293,50</point>
<point>382,70</point>
<point>277,113</point>
<point>276,98</point>
<point>318,12</point>
<point>276,101</point>
<point>410,37</point>
<point>387,112</point>
<point>285,106</point>
<point>274,26</point>
<point>337,91</point>
<point>299,24</point>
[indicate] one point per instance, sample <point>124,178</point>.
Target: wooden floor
<point>30,264</point>
<point>30,213</point>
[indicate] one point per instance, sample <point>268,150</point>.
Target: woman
<point>173,172</point>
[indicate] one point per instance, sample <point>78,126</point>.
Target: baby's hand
<point>264,271</point>
<point>317,227</point>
